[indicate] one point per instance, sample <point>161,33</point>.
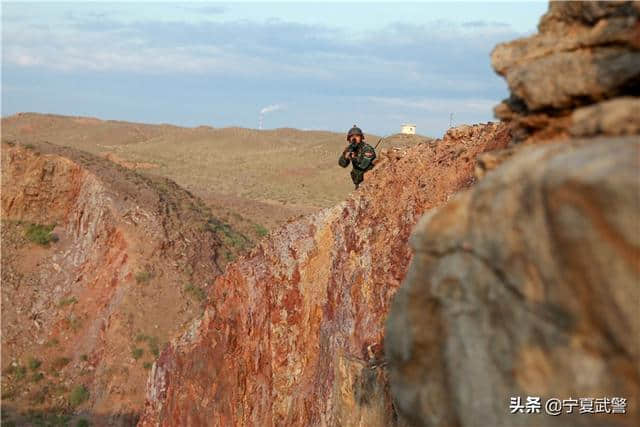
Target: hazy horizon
<point>307,66</point>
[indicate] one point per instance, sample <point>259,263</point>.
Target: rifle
<point>380,140</point>
<point>353,147</point>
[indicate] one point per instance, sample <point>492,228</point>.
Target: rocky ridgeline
<point>293,333</point>
<point>579,76</point>
<point>528,284</point>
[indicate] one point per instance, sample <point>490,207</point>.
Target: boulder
<point>620,116</point>
<point>528,285</point>
<point>584,53</point>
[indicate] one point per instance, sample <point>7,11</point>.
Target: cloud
<point>411,70</point>
<point>485,24</point>
<point>437,105</point>
<point>419,54</point>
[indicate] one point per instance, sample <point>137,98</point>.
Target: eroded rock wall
<point>75,309</point>
<point>293,333</point>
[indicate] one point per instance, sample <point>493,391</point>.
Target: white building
<point>408,129</point>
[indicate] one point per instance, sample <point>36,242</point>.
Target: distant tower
<point>260,120</point>
<point>408,129</point>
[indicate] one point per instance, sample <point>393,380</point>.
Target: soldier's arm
<point>368,156</point>
<point>343,161</point>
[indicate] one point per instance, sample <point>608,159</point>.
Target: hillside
<point>249,178</point>
<point>101,266</point>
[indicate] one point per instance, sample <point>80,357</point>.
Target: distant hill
<point>253,179</point>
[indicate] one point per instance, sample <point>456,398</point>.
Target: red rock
<point>111,224</point>
<point>293,333</point>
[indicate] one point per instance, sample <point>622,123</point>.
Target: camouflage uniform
<point>362,162</point>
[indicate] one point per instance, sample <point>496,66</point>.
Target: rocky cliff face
<point>293,333</point>
<point>90,308</point>
<point>527,285</point>
<point>579,76</point>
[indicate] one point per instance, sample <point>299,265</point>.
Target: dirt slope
<point>122,265</point>
<point>293,332</point>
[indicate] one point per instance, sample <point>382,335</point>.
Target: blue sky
<point>306,65</point>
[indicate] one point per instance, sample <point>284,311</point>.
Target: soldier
<point>359,153</point>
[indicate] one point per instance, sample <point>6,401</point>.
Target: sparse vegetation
<point>143,277</point>
<point>154,348</point>
<point>29,146</point>
<point>261,230</point>
<point>53,342</point>
<point>8,391</point>
<point>82,423</point>
<point>141,337</point>
<point>137,352</point>
<point>34,363</point>
<point>67,301</point>
<point>60,362</point>
<point>226,233</point>
<point>37,377</point>
<point>41,234</point>
<point>74,322</point>
<point>228,256</point>
<point>15,374</point>
<point>196,291</point>
<point>84,357</point>
<point>78,395</point>
<point>152,343</point>
<point>19,372</point>
<point>147,365</point>
<point>48,418</point>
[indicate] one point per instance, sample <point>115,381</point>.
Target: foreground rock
<point>526,285</point>
<point>293,334</point>
<point>585,53</point>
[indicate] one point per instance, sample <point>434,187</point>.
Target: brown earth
<point>129,266</point>
<point>293,332</point>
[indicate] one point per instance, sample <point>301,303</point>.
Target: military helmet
<point>355,130</point>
